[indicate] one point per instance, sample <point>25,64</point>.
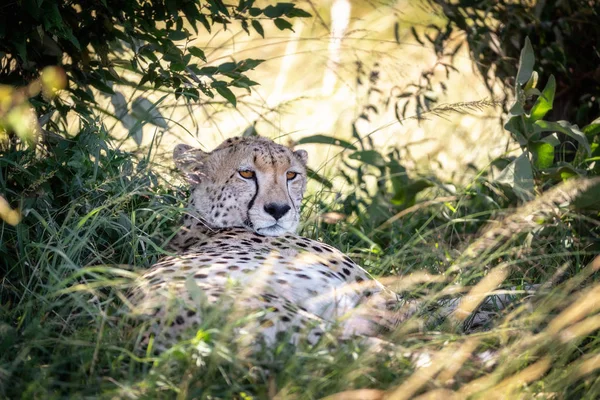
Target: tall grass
<point>66,329</point>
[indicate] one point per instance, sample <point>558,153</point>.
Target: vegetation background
<point>453,150</point>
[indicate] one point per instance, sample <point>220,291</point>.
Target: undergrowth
<point>90,223</point>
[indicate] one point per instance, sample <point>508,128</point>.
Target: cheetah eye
<point>247,174</point>
<point>291,175</point>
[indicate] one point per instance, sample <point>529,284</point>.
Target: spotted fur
<point>238,249</point>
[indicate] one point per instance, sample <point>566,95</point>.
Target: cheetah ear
<point>190,161</point>
<point>302,156</point>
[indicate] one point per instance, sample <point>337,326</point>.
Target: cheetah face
<point>248,182</point>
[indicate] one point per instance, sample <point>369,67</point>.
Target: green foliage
<point>92,214</point>
<point>94,40</point>
<point>538,137</point>
<point>79,182</point>
<point>563,37</point>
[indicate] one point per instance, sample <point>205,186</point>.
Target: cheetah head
<point>248,182</point>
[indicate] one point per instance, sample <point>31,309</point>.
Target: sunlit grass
<point>66,329</point>
<point>66,323</point>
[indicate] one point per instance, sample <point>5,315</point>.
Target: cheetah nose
<point>277,210</point>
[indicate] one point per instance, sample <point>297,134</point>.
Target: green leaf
<point>551,140</point>
<point>204,21</point>
<point>408,194</point>
<point>227,94</point>
<point>566,128</point>
<point>254,11</point>
<point>178,35</point>
<point>196,52</point>
<point>592,129</point>
<point>258,28</point>
<point>398,176</point>
<point>532,92</point>
<point>519,176</point>
<point>516,109</point>
<point>243,82</point>
<point>543,104</point>
<point>532,82</point>
<point>227,67</point>
<point>248,64</point>
<point>208,71</point>
<point>298,13</point>
<point>312,174</point>
<point>526,63</point>
<point>175,66</point>
<point>563,172</point>
<point>322,139</point>
<point>278,10</point>
<point>282,24</point>
<point>370,157</point>
<point>219,5</point>
<point>101,86</point>
<point>515,126</point>
<point>543,154</point>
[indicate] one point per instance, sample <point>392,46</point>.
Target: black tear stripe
<point>287,186</point>
<point>248,222</point>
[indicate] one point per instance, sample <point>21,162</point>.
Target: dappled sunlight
<point>309,85</point>
<point>336,199</point>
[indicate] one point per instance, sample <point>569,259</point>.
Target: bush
<point>99,43</point>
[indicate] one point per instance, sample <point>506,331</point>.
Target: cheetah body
<point>237,248</point>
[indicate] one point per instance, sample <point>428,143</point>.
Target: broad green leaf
<point>370,157</point>
<point>408,194</point>
<point>178,35</point>
<point>209,71</point>
<point>100,85</point>
<point>544,102</point>
<point>227,67</point>
<point>515,126</point>
<point>398,176</point>
<point>258,28</point>
<point>243,82</point>
<point>566,128</point>
<point>519,176</point>
<point>175,66</point>
<point>516,109</point>
<point>297,13</point>
<point>532,92</point>
<point>322,139</point>
<point>563,172</point>
<point>592,129</point>
<point>283,24</point>
<point>551,139</point>
<point>278,10</point>
<point>248,64</point>
<point>227,94</point>
<point>543,154</point>
<point>526,63</point>
<point>196,52</point>
<point>204,21</point>
<point>254,11</point>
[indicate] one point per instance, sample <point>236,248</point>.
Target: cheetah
<point>238,249</point>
